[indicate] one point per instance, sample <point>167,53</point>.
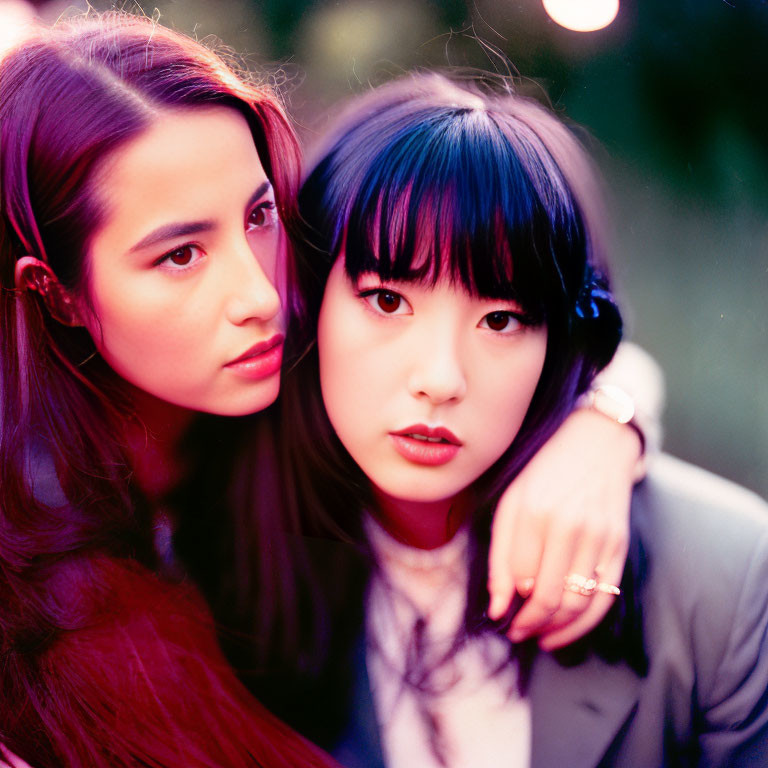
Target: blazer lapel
<point>577,711</point>
<point>360,744</point>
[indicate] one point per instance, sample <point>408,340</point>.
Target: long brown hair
<point>102,663</point>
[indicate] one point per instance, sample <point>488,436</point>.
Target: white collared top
<point>464,712</point>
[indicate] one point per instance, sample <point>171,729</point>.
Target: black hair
<point>422,179</point>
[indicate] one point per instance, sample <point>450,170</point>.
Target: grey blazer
<point>704,701</point>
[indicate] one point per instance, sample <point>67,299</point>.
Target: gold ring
<point>580,585</point>
<point>608,589</point>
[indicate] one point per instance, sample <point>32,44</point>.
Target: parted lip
<point>258,349</point>
<point>425,431</point>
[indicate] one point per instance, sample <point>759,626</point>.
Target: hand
<point>566,513</point>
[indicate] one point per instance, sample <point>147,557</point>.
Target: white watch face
<point>614,402</point>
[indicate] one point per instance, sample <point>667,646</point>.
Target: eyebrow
<point>181,229</point>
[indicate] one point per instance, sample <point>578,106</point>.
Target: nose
<point>253,293</point>
<point>438,373</point>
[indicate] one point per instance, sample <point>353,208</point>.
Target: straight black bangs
<point>464,194</point>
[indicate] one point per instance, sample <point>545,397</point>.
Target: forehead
<point>429,239</point>
<point>187,163</point>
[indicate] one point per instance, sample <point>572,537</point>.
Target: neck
<point>154,437</point>
<point>422,524</point>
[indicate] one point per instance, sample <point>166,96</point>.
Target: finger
<point>501,584</point>
<point>500,580</point>
<point>610,572</point>
<point>526,543</point>
<point>584,623</point>
<point>548,590</point>
<point>589,549</point>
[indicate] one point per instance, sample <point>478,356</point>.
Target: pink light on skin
<point>582,15</point>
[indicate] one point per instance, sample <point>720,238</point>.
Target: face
<point>182,275</point>
<point>426,387</point>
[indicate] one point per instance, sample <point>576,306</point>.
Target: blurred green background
<point>674,94</point>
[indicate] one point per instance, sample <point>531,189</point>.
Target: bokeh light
<point>15,18</point>
<point>582,15</point>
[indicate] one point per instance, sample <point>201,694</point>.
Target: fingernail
<point>525,587</point>
<point>495,607</point>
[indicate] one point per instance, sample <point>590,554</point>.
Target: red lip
<point>258,349</point>
<point>261,361</point>
<point>426,452</point>
<point>422,429</point>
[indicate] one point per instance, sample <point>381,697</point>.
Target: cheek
<point>339,369</point>
<point>151,337</point>
<point>351,372</point>
<point>505,392</point>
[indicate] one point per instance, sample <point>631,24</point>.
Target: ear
<point>34,275</point>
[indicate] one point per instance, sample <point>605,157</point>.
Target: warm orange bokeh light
<point>582,15</point>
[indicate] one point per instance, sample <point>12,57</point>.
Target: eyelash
<point>166,258</point>
<point>371,293</point>
<point>521,319</point>
<point>516,317</point>
<point>267,206</point>
<point>270,211</point>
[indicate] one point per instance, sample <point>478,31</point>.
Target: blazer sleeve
<point>735,706</point>
<point>704,599</point>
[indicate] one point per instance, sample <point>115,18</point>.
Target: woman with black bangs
<point>456,308</point>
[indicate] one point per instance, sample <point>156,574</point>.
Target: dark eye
<point>184,257</point>
<point>181,256</point>
<point>388,302</point>
<point>501,322</point>
<point>181,259</point>
<point>262,215</point>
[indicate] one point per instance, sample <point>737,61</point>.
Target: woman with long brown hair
<point>111,128</point>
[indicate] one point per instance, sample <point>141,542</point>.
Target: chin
<point>421,490</point>
<point>246,405</point>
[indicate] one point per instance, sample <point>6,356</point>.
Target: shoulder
<point>703,542</point>
<point>681,512</point>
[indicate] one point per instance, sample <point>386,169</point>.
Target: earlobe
<point>35,275</point>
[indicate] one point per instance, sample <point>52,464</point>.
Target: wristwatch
<point>611,401</point>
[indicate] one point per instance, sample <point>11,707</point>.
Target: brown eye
<point>184,257</point>
<point>261,216</point>
<point>388,302</point>
<point>501,322</point>
<point>498,321</point>
<point>181,256</point>
<point>258,218</point>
